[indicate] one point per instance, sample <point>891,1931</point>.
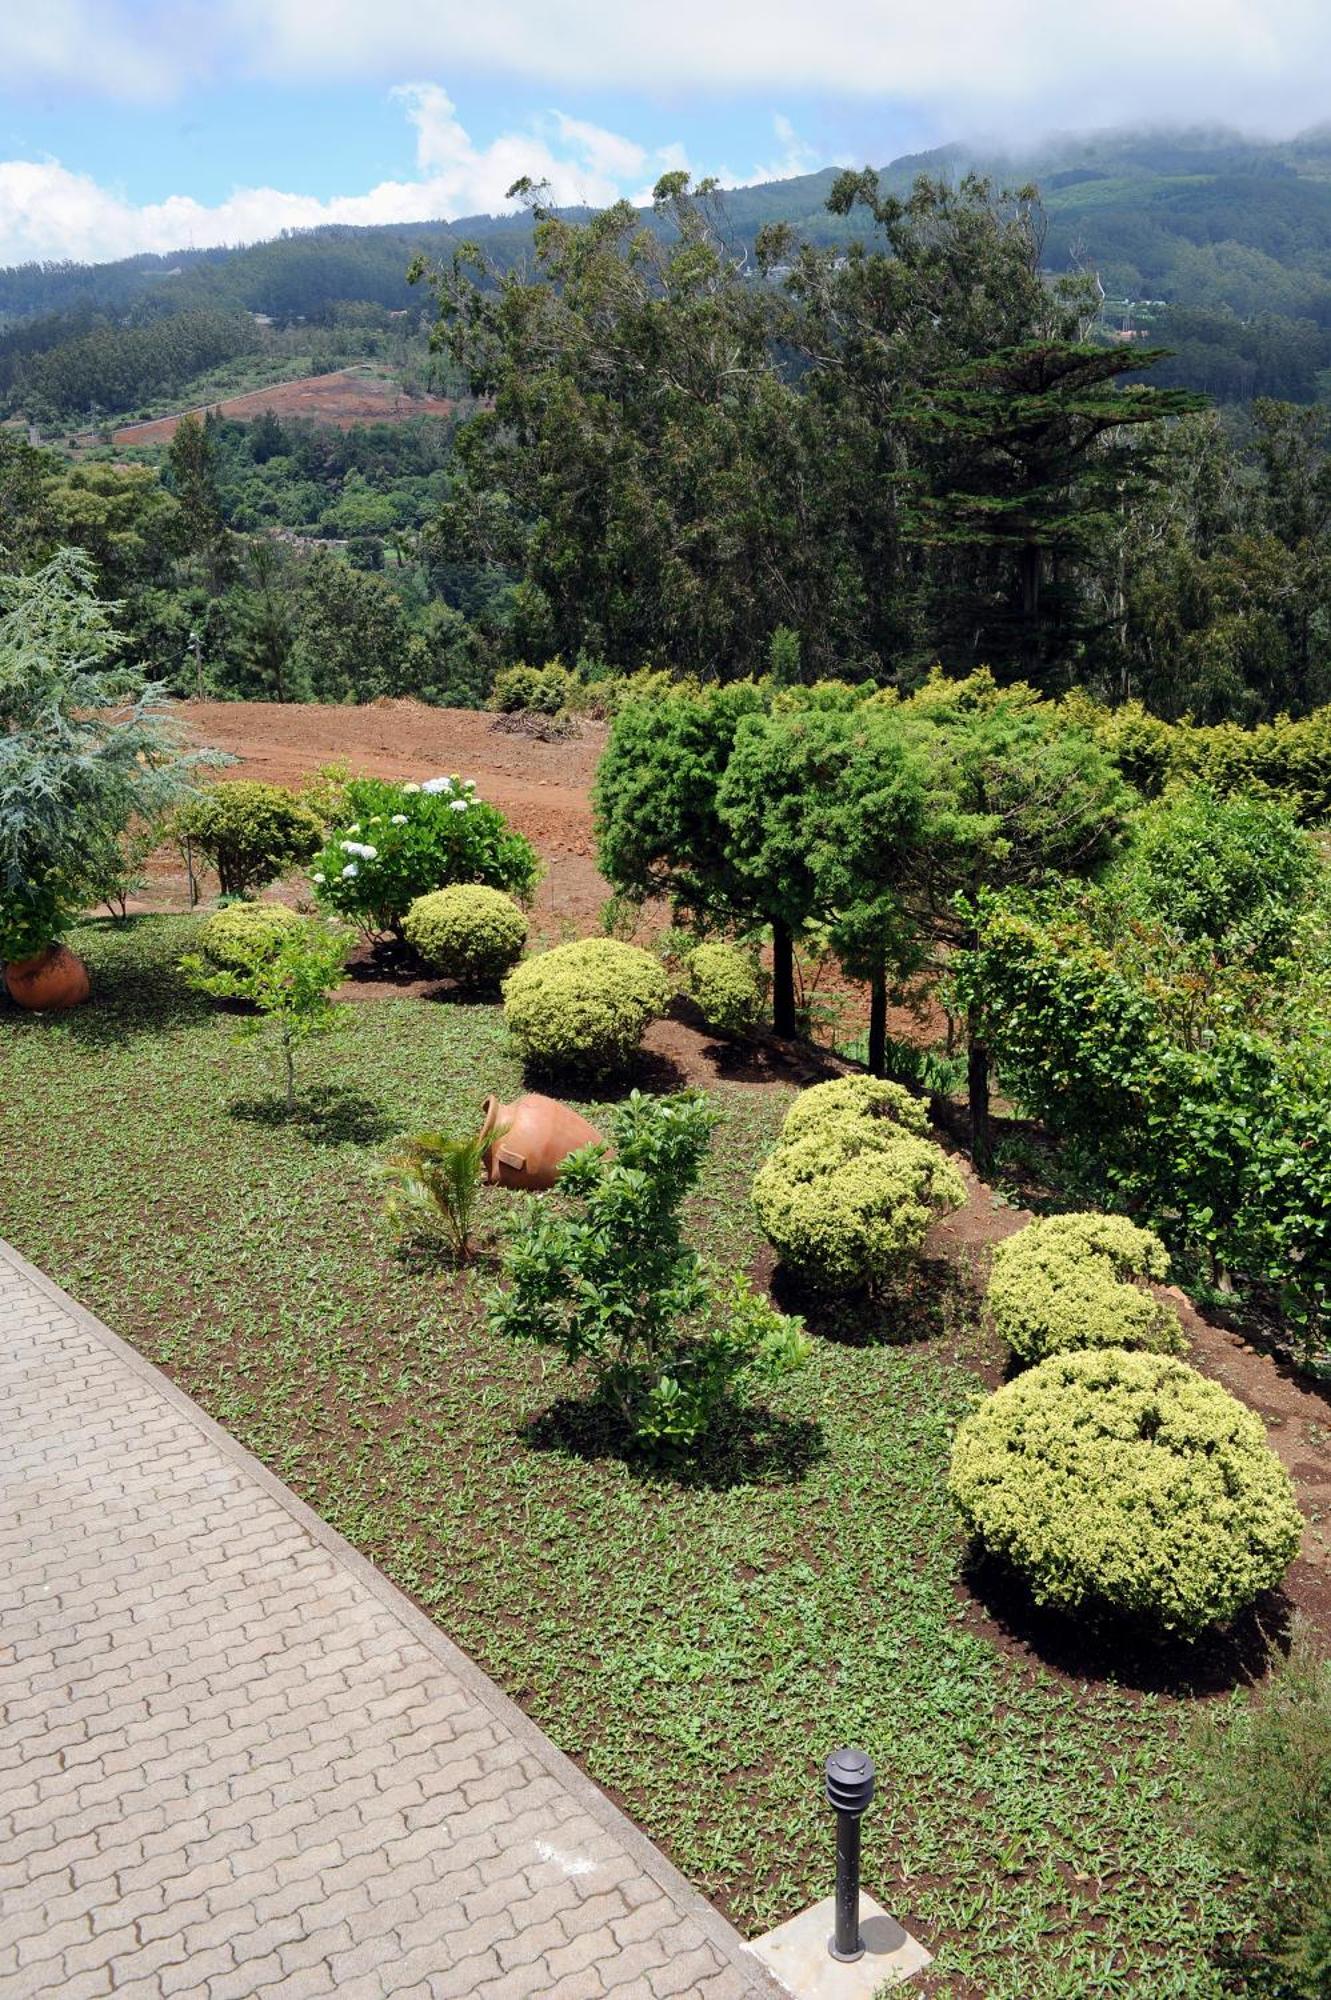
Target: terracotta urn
<point>49,981</point>
<point>532,1139</point>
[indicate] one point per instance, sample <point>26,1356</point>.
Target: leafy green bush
<point>727,985</point>
<point>289,986</point>
<point>582,1007</point>
<point>251,833</point>
<point>613,1287</point>
<point>1266,1808</point>
<point>1200,1101</point>
<point>852,1186</point>
<point>536,690</point>
<point>233,939</point>
<point>1064,1282</point>
<point>405,841</point>
<point>1127,1482</point>
<point>468,933</point>
<point>1229,875</point>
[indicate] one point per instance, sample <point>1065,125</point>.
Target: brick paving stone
<point>235,1761</point>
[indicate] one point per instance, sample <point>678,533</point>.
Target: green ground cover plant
<point>694,1640</point>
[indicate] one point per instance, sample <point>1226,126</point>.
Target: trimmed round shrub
<point>1129,1483</point>
<point>1064,1282</point>
<point>241,936</point>
<point>468,933</point>
<point>726,985</point>
<point>582,1007</point>
<point>849,1193</point>
<point>871,1097</point>
<point>251,833</point>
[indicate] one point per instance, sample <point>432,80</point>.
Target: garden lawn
<point>698,1644</point>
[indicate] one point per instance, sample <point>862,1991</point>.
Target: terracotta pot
<point>49,981</point>
<point>532,1140</point>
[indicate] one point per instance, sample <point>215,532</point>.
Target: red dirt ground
<point>544,788</point>
<point>343,399</point>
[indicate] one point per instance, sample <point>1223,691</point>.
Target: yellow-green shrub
<point>468,932</point>
<point>853,1185</point>
<point>1065,1282</point>
<point>582,1007</point>
<point>240,936</point>
<point>872,1097</point>
<point>1127,1482</point>
<point>726,984</point>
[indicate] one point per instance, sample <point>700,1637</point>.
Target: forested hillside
<point>1216,246</point>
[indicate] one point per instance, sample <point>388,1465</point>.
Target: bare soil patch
<point>344,398</point>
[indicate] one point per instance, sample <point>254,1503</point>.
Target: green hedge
<point>237,938</point>
<point>727,985</point>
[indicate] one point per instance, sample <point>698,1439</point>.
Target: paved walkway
<point>234,1760</point>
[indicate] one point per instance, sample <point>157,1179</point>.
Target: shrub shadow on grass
<point>746,1445</point>
<point>327,1115</point>
<point>1128,1652</point>
<point>934,1299</point>
<point>649,1071</point>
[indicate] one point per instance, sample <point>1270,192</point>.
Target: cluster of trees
<point>908,452</point>
<point>48,371</point>
<point>865,817</point>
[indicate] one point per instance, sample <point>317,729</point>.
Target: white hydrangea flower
<point>411,788</point>
<point>469,784</point>
<point>399,819</point>
<point>458,805</point>
<point>352,868</point>
<point>437,785</point>
<point>318,878</point>
<point>354,829</point>
<point>369,853</point>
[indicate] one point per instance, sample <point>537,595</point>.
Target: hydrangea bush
<point>1065,1282</point>
<point>469,933</point>
<point>405,840</point>
<point>852,1186</point>
<point>582,1007</point>
<point>1127,1482</point>
<point>726,983</point>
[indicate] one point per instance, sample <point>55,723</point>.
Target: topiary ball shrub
<point>582,1007</point>
<point>1065,1282</point>
<point>468,933</point>
<point>252,833</point>
<point>727,986</point>
<point>851,1189</point>
<point>825,1105</point>
<point>1127,1483</point>
<point>243,935</point>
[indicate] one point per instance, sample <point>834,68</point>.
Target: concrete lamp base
<point>796,1954</point>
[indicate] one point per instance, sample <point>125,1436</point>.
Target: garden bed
<point>696,1639</point>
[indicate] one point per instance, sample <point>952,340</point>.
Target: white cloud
<point>48,211</point>
<point>1016,66</point>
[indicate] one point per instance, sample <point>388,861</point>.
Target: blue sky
<point>133,124</point>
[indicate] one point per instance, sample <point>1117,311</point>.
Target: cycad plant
<point>436,1177</point>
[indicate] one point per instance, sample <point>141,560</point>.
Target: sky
<point>129,125</point>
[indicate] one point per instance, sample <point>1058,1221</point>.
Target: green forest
<point>899,439</point>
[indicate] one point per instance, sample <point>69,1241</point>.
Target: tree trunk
<point>878,1023</point>
<point>291,1076</point>
<point>977,1080</point>
<point>783,979</point>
